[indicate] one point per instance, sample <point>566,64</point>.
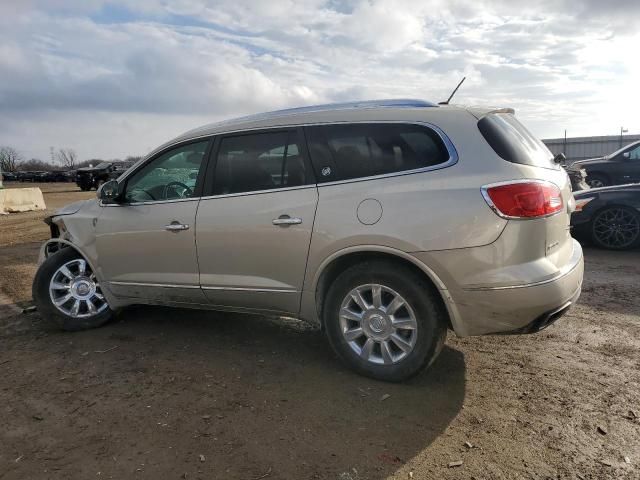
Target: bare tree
<point>9,159</point>
<point>68,157</point>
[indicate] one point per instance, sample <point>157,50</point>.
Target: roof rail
<point>389,103</point>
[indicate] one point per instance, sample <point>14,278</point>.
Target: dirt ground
<point>164,394</point>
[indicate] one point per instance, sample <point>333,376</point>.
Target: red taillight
<point>526,199</point>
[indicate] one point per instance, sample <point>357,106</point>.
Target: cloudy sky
<point>117,78</point>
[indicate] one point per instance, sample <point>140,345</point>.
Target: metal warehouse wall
<point>579,148</point>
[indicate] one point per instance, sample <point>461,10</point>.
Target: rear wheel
<point>384,321</point>
<point>67,293</point>
<point>596,180</point>
<point>616,228</point>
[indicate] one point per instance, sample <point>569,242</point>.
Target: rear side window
<point>346,151</point>
<point>513,142</point>
<point>261,161</point>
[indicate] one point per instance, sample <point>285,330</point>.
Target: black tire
<point>597,180</point>
<point>50,314</point>
<point>419,294</point>
<point>609,240</point>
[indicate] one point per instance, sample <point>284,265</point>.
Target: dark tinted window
<point>341,152</point>
<point>262,161</point>
<point>513,142</point>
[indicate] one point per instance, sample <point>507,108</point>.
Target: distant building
<point>579,148</point>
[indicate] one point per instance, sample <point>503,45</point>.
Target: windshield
<point>513,142</point>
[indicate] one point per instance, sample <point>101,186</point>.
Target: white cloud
<point>112,79</point>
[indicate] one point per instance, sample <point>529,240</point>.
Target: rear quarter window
<point>513,142</point>
<point>349,151</point>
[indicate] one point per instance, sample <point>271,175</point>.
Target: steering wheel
<point>185,193</point>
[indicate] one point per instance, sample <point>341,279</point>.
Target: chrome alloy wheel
<point>378,324</point>
<point>75,291</point>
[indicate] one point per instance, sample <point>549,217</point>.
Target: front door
<point>146,243</point>
<point>254,228</point>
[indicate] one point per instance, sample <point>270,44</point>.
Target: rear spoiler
<point>480,112</point>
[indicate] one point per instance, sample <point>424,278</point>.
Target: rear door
<point>254,224</point>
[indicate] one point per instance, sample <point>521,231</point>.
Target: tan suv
<point>386,223</point>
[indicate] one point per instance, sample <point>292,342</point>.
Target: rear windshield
<point>513,142</point>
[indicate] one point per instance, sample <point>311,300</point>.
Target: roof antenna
<point>453,93</point>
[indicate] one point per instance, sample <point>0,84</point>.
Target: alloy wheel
<point>74,290</point>
<point>378,324</point>
<point>616,228</point>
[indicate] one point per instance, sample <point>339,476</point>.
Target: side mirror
<point>626,155</point>
<point>109,192</point>
<point>560,159</point>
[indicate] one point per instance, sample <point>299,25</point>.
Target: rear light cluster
<point>524,199</point>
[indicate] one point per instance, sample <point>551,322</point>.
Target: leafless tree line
<point>67,159</point>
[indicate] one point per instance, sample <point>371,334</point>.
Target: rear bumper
<point>518,308</point>
<point>546,319</point>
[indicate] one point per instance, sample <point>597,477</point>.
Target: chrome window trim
<point>440,166</point>
<point>451,150</point>
<point>259,192</point>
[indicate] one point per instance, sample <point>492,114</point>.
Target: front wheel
<point>384,320</point>
<point>67,293</point>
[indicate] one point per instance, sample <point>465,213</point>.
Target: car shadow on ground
<point>160,387</point>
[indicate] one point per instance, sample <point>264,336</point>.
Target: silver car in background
<point>386,223</point>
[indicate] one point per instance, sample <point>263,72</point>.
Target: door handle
<point>176,227</point>
<point>286,220</point>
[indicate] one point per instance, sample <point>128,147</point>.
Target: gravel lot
<point>164,394</point>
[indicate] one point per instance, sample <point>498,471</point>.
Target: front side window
<point>635,153</point>
<point>260,161</point>
<point>171,176</point>
<point>346,151</point>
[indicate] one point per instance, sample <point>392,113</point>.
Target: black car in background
<point>56,176</point>
<point>30,176</point>
<point>9,177</point>
<point>617,168</point>
<point>608,216</point>
<point>92,177</point>
<point>88,178</point>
